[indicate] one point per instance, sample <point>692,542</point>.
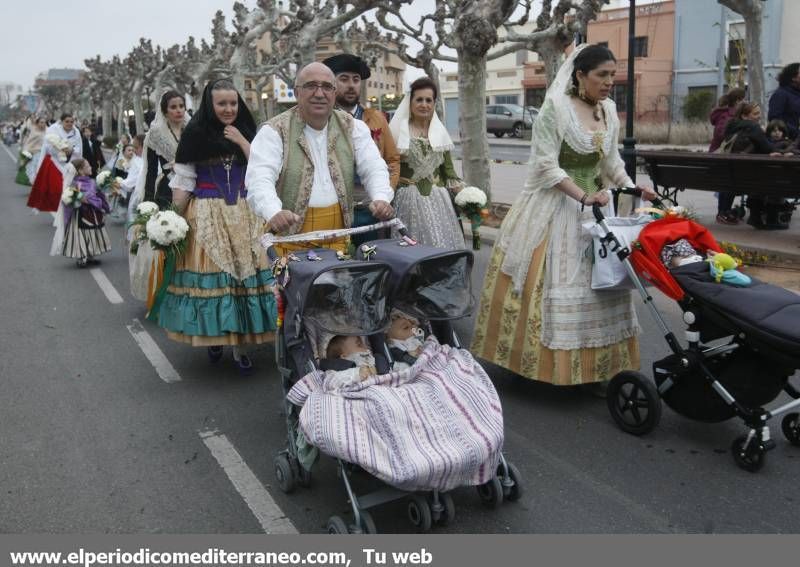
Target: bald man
<point>303,163</point>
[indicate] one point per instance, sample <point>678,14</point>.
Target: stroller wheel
<point>284,473</point>
<point>633,402</point>
<point>512,486</point>
<point>419,513</point>
<point>751,458</point>
<point>367,523</point>
<point>337,526</point>
<point>447,512</point>
<point>791,428</point>
<point>491,492</point>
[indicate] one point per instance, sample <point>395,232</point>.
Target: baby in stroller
<point>404,339</point>
<point>722,266</point>
<point>349,359</point>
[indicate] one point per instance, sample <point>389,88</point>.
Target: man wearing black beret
<point>350,70</point>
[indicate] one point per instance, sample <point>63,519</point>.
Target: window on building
<point>736,37</point>
<point>452,78</point>
<point>603,43</point>
<point>534,97</point>
<point>322,48</point>
<point>619,94</point>
<point>539,71</point>
<point>506,74</point>
<point>248,84</point>
<point>639,46</point>
<point>506,99</point>
<point>522,56</point>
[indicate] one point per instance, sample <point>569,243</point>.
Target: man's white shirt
<point>266,161</point>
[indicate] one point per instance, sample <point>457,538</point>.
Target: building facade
<point>654,38</point>
<point>707,36</point>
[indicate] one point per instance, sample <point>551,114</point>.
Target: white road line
<point>105,284</point>
<point>150,349</point>
<point>14,159</point>
<point>264,508</point>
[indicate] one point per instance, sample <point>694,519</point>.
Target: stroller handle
<point>269,239</point>
<point>633,191</point>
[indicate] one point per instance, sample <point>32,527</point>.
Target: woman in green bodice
<point>539,316</point>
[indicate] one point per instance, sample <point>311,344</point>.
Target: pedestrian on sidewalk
<point>784,104</point>
<point>720,116</point>
<point>221,291</point>
<point>539,316</point>
<point>428,181</point>
<point>350,70</point>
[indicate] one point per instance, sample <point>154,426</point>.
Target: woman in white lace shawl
<point>539,316</point>
<point>158,160</point>
<point>427,178</point>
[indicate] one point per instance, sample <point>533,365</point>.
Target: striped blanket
<point>435,425</point>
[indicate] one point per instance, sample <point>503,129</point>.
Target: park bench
<point>743,174</point>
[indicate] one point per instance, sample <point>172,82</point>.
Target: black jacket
<point>750,138</point>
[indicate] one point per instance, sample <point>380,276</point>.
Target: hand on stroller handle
<point>633,191</point>
<point>269,239</point>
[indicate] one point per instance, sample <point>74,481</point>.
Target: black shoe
<point>81,263</point>
<point>214,353</point>
<point>93,261</point>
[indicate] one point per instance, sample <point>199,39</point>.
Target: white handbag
<point>608,273</point>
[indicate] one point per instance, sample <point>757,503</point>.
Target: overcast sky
<point>41,34</point>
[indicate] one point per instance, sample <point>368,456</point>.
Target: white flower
<point>62,157</point>
<point>66,196</point>
<point>147,208</point>
<point>26,154</point>
<point>470,196</point>
<point>102,177</point>
<point>118,181</point>
<point>166,228</point>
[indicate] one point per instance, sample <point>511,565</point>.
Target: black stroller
<point>352,297</point>
<point>749,368</point>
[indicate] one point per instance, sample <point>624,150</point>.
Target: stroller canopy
<point>339,297</point>
<point>428,283</point>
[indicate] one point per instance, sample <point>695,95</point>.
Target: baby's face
<point>776,135</point>
<point>401,329</point>
<point>353,345</point>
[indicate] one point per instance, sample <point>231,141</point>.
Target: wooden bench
<point>742,174</point>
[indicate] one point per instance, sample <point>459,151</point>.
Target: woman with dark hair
<point>158,159</point>
<point>221,292</point>
<point>62,143</point>
<point>423,198</point>
<point>92,152</point>
<point>784,104</point>
<point>744,135</point>
<point>539,316</point>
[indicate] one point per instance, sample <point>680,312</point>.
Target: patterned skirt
<point>85,236</point>
<point>206,306</point>
<point>508,333</point>
<point>430,219</point>
<point>318,218</point>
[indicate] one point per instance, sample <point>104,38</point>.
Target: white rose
<point>470,195</point>
<point>102,176</point>
<point>147,208</point>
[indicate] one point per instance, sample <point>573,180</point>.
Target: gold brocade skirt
<point>318,218</point>
<point>508,332</point>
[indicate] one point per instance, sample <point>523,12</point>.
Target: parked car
<point>511,119</point>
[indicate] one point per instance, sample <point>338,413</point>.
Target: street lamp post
<point>629,143</point>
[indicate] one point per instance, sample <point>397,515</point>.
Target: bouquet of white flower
<point>72,197</point>
<point>24,157</point>
<point>144,211</point>
<point>472,202</point>
<point>61,146</point>
<point>107,183</point>
<point>167,230</point>
<point>146,208</point>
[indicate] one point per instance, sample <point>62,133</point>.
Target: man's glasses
<point>312,86</point>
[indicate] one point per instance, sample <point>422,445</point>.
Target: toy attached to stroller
<point>751,367</point>
<point>433,426</point>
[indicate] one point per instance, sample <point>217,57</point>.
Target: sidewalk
<point>516,142</point>
<point>780,246</point>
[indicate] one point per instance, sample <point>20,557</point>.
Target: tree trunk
<point>107,114</point>
<point>472,121</point>
<point>552,57</point>
<point>122,122</point>
<point>138,110</point>
<point>755,62</point>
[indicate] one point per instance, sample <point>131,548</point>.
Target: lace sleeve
<point>544,170</point>
<point>185,177</point>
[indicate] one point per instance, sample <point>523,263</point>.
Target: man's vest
<point>297,172</point>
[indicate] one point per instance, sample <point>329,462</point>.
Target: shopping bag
<point>608,273</point>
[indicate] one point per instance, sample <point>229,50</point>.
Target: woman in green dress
<point>539,316</point>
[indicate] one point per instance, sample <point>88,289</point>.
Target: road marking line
<point>150,349</point>
<point>257,498</point>
<point>9,153</point>
<point>105,284</point>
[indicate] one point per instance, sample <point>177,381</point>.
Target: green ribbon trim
<point>170,261</point>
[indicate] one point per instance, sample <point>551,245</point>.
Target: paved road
<point>508,151</point>
<point>93,441</point>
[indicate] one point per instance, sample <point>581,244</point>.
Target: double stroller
<point>742,345</point>
<point>422,431</point>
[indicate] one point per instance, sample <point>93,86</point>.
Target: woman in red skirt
<point>62,143</point>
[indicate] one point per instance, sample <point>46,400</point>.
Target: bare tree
<point>752,11</point>
<point>145,63</point>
